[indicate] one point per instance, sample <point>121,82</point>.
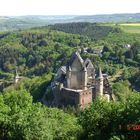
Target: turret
<point>16,78</point>
<point>100,82</point>
<point>85,78</point>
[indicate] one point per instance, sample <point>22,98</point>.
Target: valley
<point>36,53</point>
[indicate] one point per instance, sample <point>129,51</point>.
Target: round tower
<point>16,78</point>
<point>85,78</point>
<point>100,84</point>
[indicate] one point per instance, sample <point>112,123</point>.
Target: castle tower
<point>16,78</point>
<point>107,96</point>
<point>100,84</point>
<point>74,72</point>
<point>69,77</point>
<point>85,78</point>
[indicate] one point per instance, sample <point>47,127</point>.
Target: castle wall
<point>85,98</point>
<point>76,97</point>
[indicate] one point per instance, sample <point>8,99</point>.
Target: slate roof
<point>88,63</point>
<point>73,57</point>
<point>63,69</point>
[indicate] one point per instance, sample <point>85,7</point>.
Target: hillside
<point>33,50</point>
<point>15,23</point>
<point>22,22</point>
<point>43,50</point>
<point>114,18</point>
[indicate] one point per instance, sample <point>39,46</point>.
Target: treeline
<point>92,30</point>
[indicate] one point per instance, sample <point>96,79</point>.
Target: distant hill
<point>113,18</point>
<point>21,22</point>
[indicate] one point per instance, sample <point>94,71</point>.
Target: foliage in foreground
<point>101,120</point>
<point>20,118</point>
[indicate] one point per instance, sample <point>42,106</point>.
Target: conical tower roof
<point>100,73</point>
<point>73,57</point>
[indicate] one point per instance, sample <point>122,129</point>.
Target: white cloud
<point>67,7</point>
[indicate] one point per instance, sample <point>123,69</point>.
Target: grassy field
<point>127,27</point>
<point>130,27</point>
<point>130,24</point>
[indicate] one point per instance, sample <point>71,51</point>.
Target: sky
<point>67,7</point>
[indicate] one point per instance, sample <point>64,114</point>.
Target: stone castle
<point>77,84</point>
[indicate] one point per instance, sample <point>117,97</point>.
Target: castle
<point>77,84</point>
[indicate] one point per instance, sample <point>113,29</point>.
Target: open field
<point>130,27</point>
<point>130,24</point>
<point>127,27</point>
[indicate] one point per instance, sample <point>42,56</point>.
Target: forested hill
<point>92,30</point>
<point>39,50</point>
<point>42,50</point>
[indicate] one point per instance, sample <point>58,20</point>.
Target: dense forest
<point>92,30</point>
<point>37,53</point>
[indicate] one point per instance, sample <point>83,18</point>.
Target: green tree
<point>102,119</point>
<point>20,118</point>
